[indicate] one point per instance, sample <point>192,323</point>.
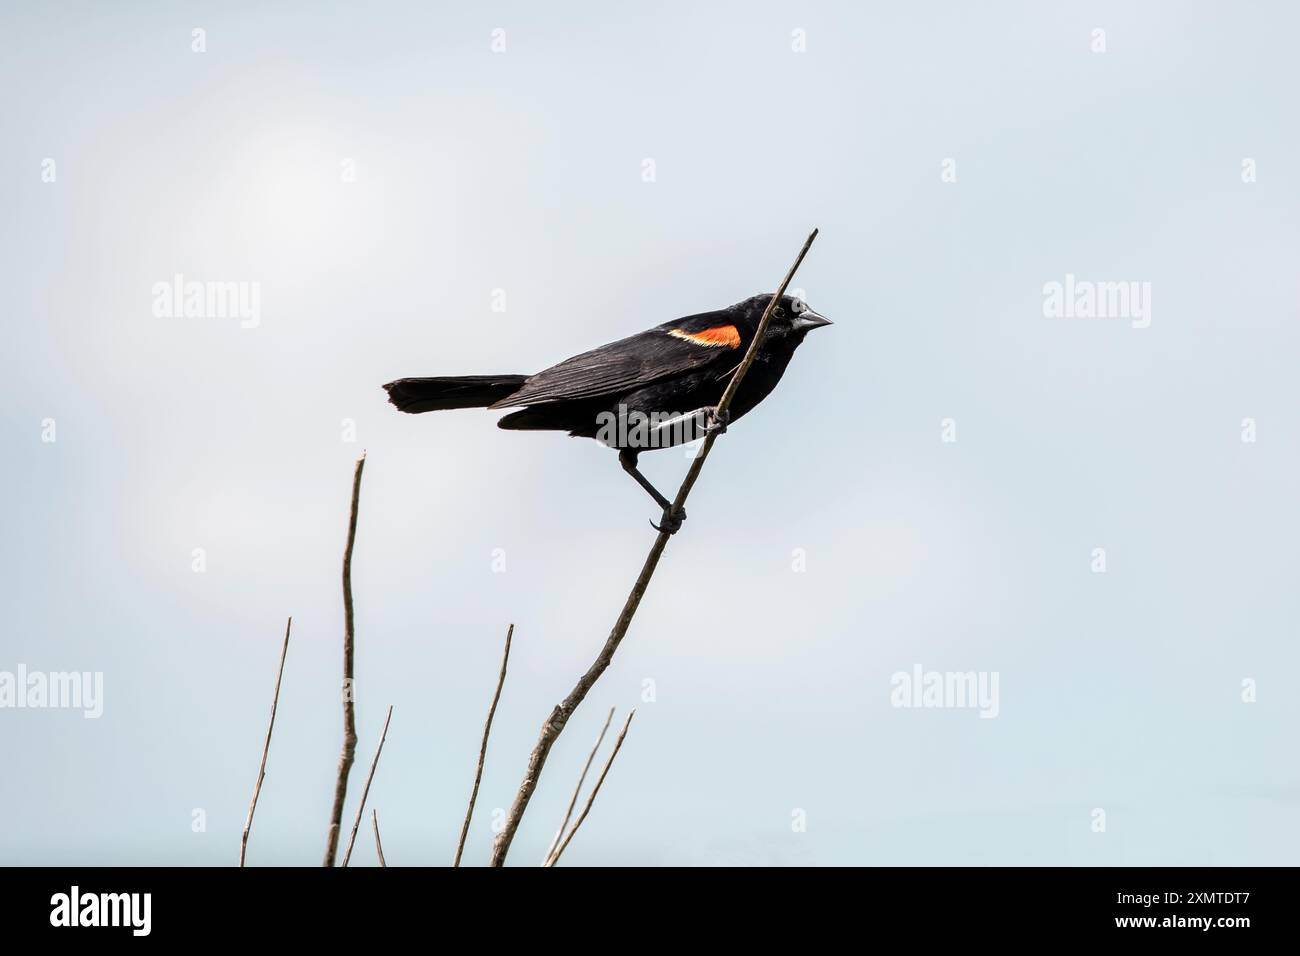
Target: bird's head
<point>792,318</point>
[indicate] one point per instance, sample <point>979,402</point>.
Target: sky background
<point>522,170</point>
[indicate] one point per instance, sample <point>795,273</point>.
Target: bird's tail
<point>451,391</point>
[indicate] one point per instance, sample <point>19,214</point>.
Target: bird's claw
<point>671,522</point>
<point>716,422</point>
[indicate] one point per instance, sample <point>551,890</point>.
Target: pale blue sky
<point>522,170</point>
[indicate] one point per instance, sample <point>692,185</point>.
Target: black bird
<point>653,390</point>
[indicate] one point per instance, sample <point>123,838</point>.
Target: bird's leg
<point>716,422</point>
<point>670,522</point>
<point>627,459</point>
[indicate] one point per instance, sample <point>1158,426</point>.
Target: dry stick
<point>482,750</point>
<point>379,847</point>
<point>365,791</point>
<point>555,723</point>
<point>266,748</point>
<point>577,791</point>
<point>555,857</point>
<point>349,705</point>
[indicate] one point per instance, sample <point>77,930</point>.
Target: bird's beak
<point>808,319</point>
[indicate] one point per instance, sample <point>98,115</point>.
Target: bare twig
<point>555,857</point>
<point>365,791</point>
<point>379,847</point>
<point>728,396</point>
<point>577,791</point>
<point>560,715</point>
<point>349,703</point>
<point>482,751</point>
<point>266,748</point>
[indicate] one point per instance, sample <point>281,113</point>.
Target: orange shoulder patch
<point>727,336</point>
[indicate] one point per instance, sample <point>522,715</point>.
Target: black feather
<point>629,363</point>
<point>451,391</point>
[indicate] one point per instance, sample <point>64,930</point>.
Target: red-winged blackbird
<point>651,390</point>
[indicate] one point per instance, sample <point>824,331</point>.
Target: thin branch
<point>577,791</point>
<point>266,748</point>
<point>728,396</point>
<point>379,846</point>
<point>349,694</point>
<point>555,858</point>
<point>559,717</point>
<point>482,750</point>
<point>365,791</point>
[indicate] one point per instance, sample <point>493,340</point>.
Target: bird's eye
<point>799,306</point>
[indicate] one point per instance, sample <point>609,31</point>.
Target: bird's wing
<point>686,345</point>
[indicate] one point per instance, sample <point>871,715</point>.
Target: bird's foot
<point>715,422</point>
<point>671,522</point>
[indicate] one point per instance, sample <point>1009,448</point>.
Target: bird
<point>655,389</point>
